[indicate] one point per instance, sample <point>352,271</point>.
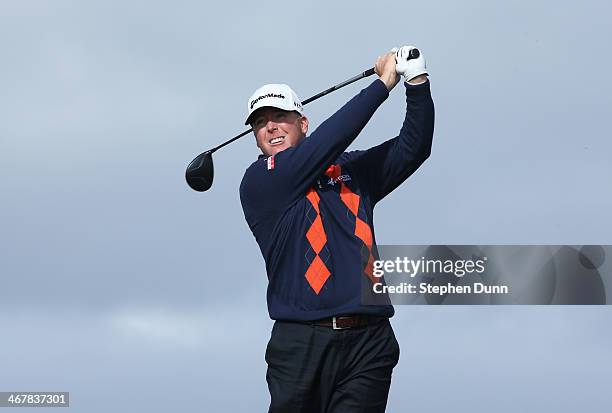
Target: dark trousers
<point>316,369</point>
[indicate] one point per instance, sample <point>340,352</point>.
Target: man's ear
<point>304,124</point>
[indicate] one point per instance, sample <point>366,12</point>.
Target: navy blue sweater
<point>310,206</point>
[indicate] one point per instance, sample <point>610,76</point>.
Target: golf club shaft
<point>363,74</point>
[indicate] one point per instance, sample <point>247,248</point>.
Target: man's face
<point>276,129</point>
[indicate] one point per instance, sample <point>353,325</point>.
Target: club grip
<point>368,72</point>
<point>413,54</point>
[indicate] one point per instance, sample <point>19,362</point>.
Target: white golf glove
<point>409,68</point>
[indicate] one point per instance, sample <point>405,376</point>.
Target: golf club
<point>200,171</point>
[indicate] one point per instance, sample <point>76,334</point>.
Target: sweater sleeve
<point>389,164</point>
<point>277,183</point>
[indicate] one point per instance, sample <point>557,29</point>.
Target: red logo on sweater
<point>271,162</point>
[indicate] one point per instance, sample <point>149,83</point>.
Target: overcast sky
<point>134,293</point>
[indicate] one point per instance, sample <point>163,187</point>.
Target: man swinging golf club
<point>310,207</point>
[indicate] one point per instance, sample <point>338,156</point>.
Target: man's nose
<point>271,126</point>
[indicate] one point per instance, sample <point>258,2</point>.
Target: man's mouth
<point>276,141</point>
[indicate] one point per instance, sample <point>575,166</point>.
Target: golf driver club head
<point>200,172</point>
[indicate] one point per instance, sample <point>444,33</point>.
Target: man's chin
<point>276,149</point>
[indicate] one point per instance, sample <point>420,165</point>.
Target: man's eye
<point>259,123</point>
<point>279,115</point>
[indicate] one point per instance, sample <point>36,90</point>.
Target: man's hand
<point>414,70</point>
<point>386,71</point>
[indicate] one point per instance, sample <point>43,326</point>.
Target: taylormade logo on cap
<point>269,95</point>
<point>273,95</point>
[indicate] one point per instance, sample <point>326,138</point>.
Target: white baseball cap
<point>275,95</point>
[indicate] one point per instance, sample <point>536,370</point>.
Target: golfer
<point>310,207</point>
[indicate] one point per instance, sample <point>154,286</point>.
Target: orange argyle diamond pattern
<point>317,272</point>
<point>316,235</point>
<point>314,199</point>
<point>350,199</point>
<point>363,231</point>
